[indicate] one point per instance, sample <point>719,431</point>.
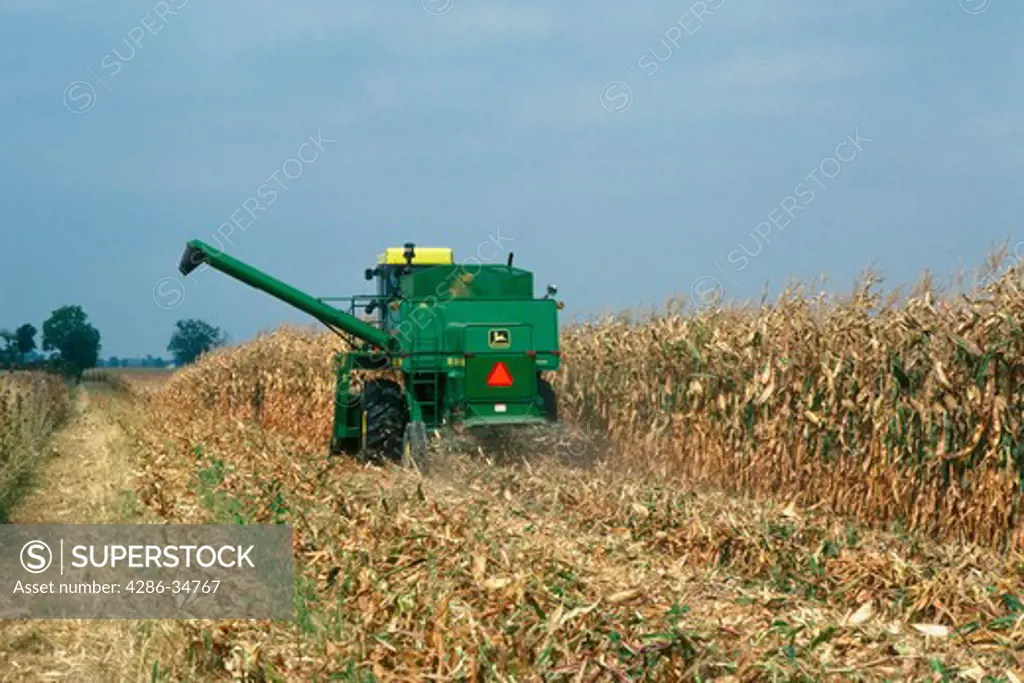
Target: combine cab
<point>446,345</point>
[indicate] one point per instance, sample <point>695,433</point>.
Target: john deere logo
<point>498,339</point>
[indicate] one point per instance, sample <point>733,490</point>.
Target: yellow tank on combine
<point>423,256</point>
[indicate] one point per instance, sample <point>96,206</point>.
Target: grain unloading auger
<point>467,343</point>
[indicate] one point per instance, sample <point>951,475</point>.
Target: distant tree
<point>15,346</point>
<point>114,361</point>
<point>8,347</point>
<point>192,338</point>
<point>25,339</point>
<point>68,332</point>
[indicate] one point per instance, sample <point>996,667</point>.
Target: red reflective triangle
<point>499,376</point>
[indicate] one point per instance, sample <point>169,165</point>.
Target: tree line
<point>71,344</point>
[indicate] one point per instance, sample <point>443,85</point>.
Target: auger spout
<point>197,253</point>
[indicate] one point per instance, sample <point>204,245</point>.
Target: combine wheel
<point>384,418</point>
<point>345,446</point>
<point>414,446</point>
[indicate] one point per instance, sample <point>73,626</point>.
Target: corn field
<point>283,380</point>
<point>901,413</point>
<point>904,411</point>
<point>31,406</point>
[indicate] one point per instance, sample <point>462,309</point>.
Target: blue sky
<point>625,153</point>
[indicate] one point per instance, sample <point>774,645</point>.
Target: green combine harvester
<point>449,346</point>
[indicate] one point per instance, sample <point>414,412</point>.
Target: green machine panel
<point>498,338</point>
<point>518,371</point>
<point>498,367</point>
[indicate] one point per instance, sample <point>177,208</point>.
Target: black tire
<point>345,446</point>
<point>548,398</point>
<point>386,414</point>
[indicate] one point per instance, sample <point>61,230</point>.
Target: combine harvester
<point>448,348</point>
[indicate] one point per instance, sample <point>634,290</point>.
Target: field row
<point>32,404</point>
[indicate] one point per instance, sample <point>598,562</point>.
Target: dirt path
<point>85,482</point>
<point>82,484</point>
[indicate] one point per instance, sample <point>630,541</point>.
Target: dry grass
<point>31,406</point>
<point>87,481</point>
